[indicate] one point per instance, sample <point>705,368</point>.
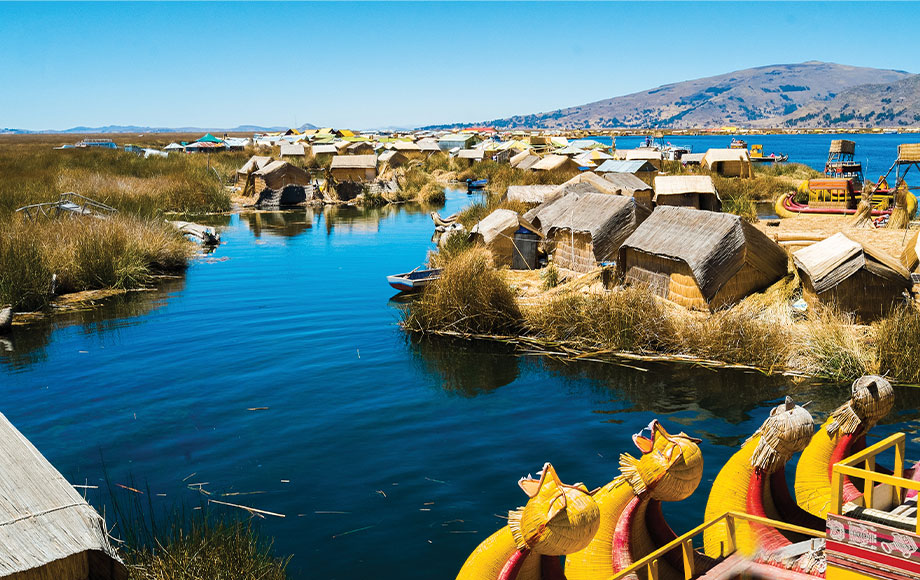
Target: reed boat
<point>414,280</point>
<point>852,519</point>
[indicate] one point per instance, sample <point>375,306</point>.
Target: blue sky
<point>377,64</point>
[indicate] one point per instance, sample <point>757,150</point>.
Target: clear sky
<point>365,65</point>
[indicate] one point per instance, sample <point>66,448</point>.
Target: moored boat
<point>414,280</point>
<point>476,184</point>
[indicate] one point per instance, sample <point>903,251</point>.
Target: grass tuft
<point>897,339</point>
<point>471,297</point>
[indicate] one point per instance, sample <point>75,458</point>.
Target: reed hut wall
<point>496,232</point>
<point>865,294</point>
<point>910,257</point>
<point>574,251</point>
<point>699,259</point>
<point>47,530</point>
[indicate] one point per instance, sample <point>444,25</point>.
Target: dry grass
<point>897,340</point>
<point>829,345</point>
<point>471,297</point>
<point>86,254</point>
<point>625,320</point>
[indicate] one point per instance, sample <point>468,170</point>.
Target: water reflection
<point>287,224</point>
<point>27,345</point>
<point>464,369</point>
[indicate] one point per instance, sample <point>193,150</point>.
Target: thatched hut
<point>700,259</point>
<point>324,152</point>
<point>642,169</point>
<point>255,163</point>
<point>696,191</point>
<point>275,176</point>
<point>555,162</point>
<point>471,156</point>
<point>524,160</point>
<point>47,530</point>
<point>589,228</point>
<point>653,156</point>
<point>354,167</point>
<point>530,193</point>
<point>728,162</point>
<point>292,150</point>
<point>496,231</point>
<point>360,148</point>
<point>411,150</point>
<point>632,186</point>
<point>853,277</point>
<point>392,158</point>
<point>597,182</point>
<point>910,257</point>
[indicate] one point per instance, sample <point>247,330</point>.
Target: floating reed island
<point>610,266</point>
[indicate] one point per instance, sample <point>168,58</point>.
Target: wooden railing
<point>685,542</point>
<point>870,476</point>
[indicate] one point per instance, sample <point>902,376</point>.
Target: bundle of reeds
<point>786,432</point>
<point>871,399</point>
<point>863,215</point>
<point>899,218</point>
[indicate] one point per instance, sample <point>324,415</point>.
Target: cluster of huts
<point>672,239</point>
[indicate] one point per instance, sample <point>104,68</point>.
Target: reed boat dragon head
<point>670,467</point>
<point>558,519</point>
<point>871,398</point>
<point>786,432</point>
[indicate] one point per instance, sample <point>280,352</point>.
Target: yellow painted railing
<point>866,457</point>
<point>685,542</point>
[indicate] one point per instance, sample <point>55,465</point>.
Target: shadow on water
<point>27,345</point>
<point>465,369</point>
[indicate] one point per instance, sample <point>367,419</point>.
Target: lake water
<point>389,457</point>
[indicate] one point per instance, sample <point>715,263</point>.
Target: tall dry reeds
<point>471,297</point>
<point>897,340</point>
<point>829,344</point>
<point>630,319</point>
<point>85,254</point>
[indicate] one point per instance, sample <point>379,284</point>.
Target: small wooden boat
<point>414,280</point>
<point>477,184</point>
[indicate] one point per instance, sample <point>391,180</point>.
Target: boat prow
<point>414,280</point>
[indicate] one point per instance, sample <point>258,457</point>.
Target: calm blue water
<point>419,444</point>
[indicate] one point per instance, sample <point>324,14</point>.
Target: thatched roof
<point>609,219</point>
<point>716,155</point>
<point>255,163</point>
<point>408,146</point>
<point>499,223</point>
<point>843,146</point>
<point>530,193</point>
<point>474,154</point>
<point>643,153</point>
<point>428,144</point>
<point>618,166</point>
<point>910,257</point>
<point>354,162</point>
<point>295,149</point>
<point>692,158</point>
<point>43,519</point>
<point>524,160</point>
<point>597,182</point>
<point>272,168</point>
<point>325,150</point>
<point>683,184</point>
<point>714,245</point>
<point>550,162</point>
<point>626,183</point>
<point>831,261</point>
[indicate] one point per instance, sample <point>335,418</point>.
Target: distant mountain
<point>895,104</point>
<point>760,97</point>
<point>139,129</point>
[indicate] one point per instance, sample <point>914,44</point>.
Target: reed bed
<point>760,332</point>
<point>120,252</point>
<point>897,340</point>
<point>188,544</point>
<point>471,297</point>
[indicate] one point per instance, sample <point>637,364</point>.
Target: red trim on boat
<point>512,567</point>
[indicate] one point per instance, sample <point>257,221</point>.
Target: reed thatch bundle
<point>863,215</point>
<point>871,399</point>
<point>899,218</point>
<point>786,432</point>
